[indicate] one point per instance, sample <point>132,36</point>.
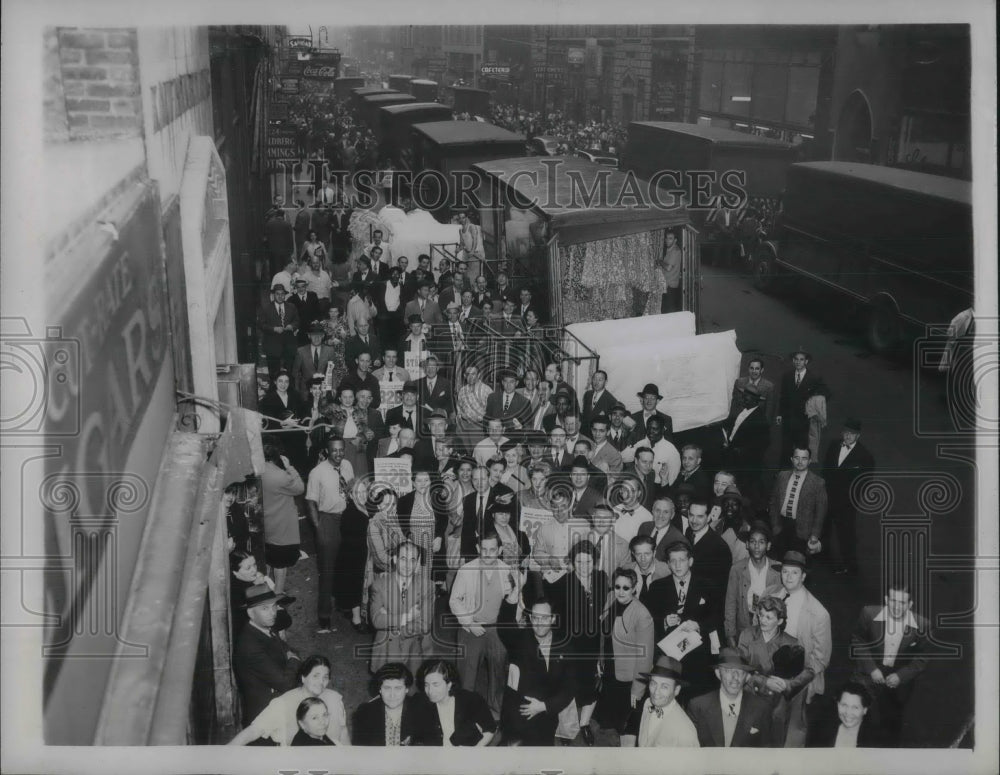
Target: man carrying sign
<point>391,371</point>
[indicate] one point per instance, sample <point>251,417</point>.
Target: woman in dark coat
<point>349,580</point>
<point>579,598</point>
<point>467,712</point>
<point>286,409</point>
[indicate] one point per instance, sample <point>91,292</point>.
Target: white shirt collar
<point>883,616</point>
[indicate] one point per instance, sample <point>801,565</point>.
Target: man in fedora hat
<point>659,721</point>
<point>310,360</point>
<point>308,305</point>
<point>809,622</point>
<point>797,386</point>
<point>636,422</point>
<point>730,717</point>
<point>265,666</point>
<point>847,459</point>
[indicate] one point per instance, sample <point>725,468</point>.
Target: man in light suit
<point>846,461</point>
<point>597,400</point>
<point>798,506</point>
<point>889,645</point>
<point>764,387</point>
<point>731,717</point>
<point>743,589</point>
<point>311,359</point>
<point>809,622</point>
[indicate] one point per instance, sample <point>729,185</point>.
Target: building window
<point>711,87</point>
<point>800,107</point>
<point>932,142</point>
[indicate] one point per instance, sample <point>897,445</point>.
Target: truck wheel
<point>884,328</point>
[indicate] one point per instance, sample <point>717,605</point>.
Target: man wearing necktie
<point>278,322</point>
<point>797,386</point>
<point>846,461</point>
<point>644,562</point>
<point>507,405</point>
<point>732,717</point>
<point>798,506</point>
<point>310,360</point>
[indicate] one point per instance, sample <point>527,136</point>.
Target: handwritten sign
<point>532,520</point>
<point>391,395</point>
<point>395,472</point>
<point>412,361</point>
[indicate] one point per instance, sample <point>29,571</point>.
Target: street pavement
<point>888,396</point>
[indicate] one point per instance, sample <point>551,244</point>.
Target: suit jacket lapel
<point>718,730</point>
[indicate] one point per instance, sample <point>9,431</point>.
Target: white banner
<point>394,471</point>
<point>695,374</point>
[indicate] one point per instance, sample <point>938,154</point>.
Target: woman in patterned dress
<point>335,335</point>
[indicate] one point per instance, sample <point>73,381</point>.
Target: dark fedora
<point>801,351</point>
<point>259,594</point>
<point>795,559</point>
<point>316,328</point>
<point>618,406</point>
<point>733,492</point>
<point>666,667</point>
<point>852,424</point>
<point>729,657</point>
<point>650,389</point>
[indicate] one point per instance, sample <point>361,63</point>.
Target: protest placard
<point>532,519</point>
<point>394,471</point>
<point>391,395</point>
<point>412,361</point>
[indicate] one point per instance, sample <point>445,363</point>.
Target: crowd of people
<point>539,564</point>
<point>608,135</point>
<point>591,574</point>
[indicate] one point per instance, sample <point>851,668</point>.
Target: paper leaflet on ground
<point>395,472</point>
<point>695,374</point>
<point>680,643</point>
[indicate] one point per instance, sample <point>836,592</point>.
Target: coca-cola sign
<point>320,72</point>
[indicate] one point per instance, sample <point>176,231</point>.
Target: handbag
<point>569,722</point>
